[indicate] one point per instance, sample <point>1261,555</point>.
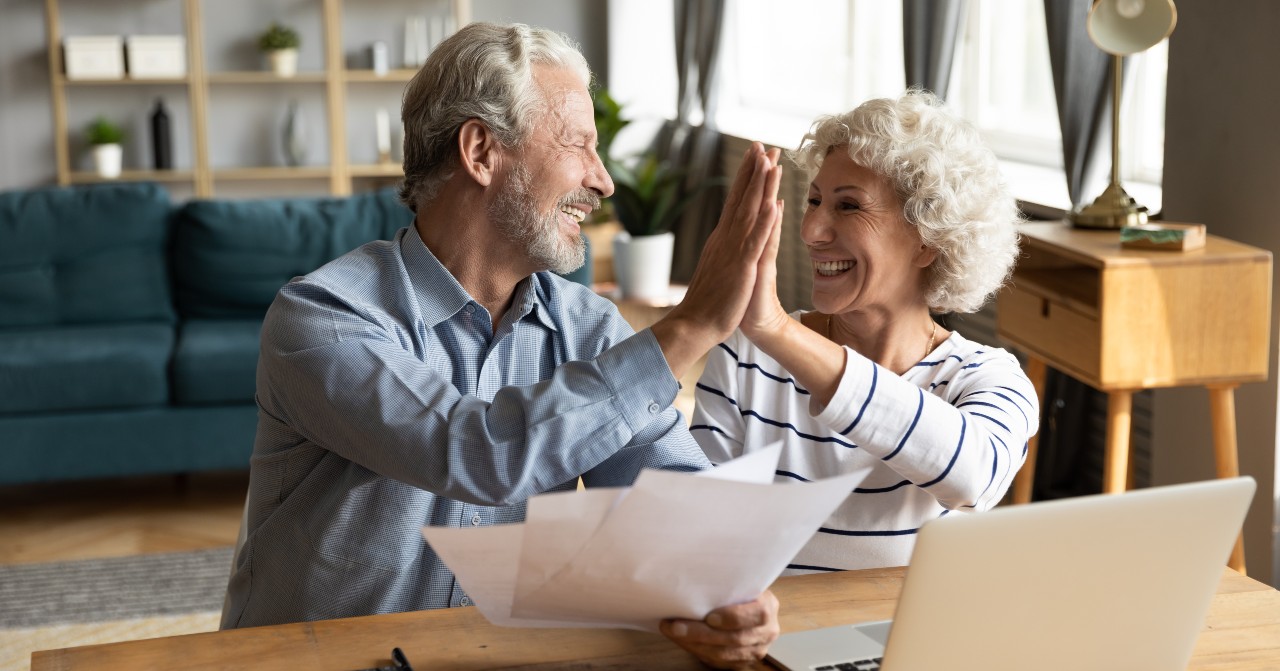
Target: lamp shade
<point>1124,27</point>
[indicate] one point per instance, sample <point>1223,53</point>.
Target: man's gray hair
<point>484,72</point>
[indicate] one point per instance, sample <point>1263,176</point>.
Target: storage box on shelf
<point>93,57</point>
<point>156,56</point>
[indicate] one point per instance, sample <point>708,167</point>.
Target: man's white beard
<point>516,215</point>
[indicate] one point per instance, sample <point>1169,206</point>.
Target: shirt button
<point>465,601</point>
<point>471,309</point>
<point>475,521</point>
<point>654,408</point>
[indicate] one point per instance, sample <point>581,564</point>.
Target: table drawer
<point>1063,337</point>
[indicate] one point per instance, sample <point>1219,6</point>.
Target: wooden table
<point>1242,631</point>
<point>1124,320</point>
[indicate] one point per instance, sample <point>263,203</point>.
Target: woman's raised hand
<point>725,278</point>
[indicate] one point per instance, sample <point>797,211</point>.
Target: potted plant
<point>647,201</point>
<point>105,138</point>
<point>280,44</point>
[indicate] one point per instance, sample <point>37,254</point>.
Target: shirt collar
<point>440,296</point>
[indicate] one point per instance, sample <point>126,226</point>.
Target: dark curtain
<point>1069,451</point>
<point>1082,86</point>
<point>696,149</point>
<point>930,30</point>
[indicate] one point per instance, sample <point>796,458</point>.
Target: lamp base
<point>1114,209</point>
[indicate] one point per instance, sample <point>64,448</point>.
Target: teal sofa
<point>129,326</point>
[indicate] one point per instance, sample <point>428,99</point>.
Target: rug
<point>65,604</point>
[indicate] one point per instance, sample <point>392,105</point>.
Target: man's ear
<point>478,151</point>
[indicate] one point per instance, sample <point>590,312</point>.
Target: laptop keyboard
<point>854,665</point>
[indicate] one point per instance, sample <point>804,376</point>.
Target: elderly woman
<point>906,216</point>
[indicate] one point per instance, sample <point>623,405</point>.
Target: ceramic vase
<point>293,138</point>
<point>107,159</point>
<point>284,62</point>
<point>642,265</point>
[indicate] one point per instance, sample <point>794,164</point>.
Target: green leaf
<point>647,197</point>
<point>102,131</point>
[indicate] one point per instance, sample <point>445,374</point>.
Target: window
<point>784,64</point>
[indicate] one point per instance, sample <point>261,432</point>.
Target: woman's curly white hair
<point>948,182</point>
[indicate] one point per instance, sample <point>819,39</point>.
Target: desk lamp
<point>1122,28</point>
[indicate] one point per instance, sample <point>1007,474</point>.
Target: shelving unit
<point>202,86</point>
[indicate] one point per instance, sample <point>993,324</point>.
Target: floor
<point>119,517</point>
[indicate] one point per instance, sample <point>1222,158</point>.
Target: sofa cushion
<point>85,367</point>
<point>215,361</point>
<point>84,255</point>
<point>230,257</point>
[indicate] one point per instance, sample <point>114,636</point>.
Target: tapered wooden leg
<point>1023,481</point>
<point>1222,409</point>
<point>1119,420</point>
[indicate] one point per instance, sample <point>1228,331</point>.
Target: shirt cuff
<point>640,378</point>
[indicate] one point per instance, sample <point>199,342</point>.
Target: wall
<point>242,119</point>
<point>1222,168</point>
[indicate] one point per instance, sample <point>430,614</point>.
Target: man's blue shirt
<point>388,402</point>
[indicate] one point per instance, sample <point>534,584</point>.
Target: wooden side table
<point>1124,320</point>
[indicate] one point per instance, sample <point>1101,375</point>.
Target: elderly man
<point>444,377</point>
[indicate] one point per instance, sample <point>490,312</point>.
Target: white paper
<point>672,545</point>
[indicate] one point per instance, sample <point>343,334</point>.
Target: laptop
<point>1118,581</point>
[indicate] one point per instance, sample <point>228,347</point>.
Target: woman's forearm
<point>816,363</point>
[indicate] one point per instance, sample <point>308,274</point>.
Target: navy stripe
<point>995,459</point>
<point>956,357</point>
<point>771,376</point>
<point>774,422</point>
<point>1008,466</point>
<point>891,532</point>
<point>881,490</point>
<point>935,385</point>
<point>708,427</point>
<point>857,490</point>
<point>806,567</point>
<point>993,419</point>
<point>875,376</point>
<point>930,364</point>
<point>1026,420</point>
<point>964,424</point>
<point>911,429</point>
<point>972,365</point>
<point>983,403</point>
<point>1016,393</point>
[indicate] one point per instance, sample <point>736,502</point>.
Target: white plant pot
<point>642,265</point>
<point>284,62</point>
<point>107,159</point>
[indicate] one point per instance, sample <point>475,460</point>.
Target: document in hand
<point>671,545</point>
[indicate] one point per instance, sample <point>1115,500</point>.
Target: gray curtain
<point>930,30</point>
<point>1073,415</point>
<point>1082,86</point>
<point>698,25</point>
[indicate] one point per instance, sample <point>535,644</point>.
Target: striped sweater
<point>947,435</point>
